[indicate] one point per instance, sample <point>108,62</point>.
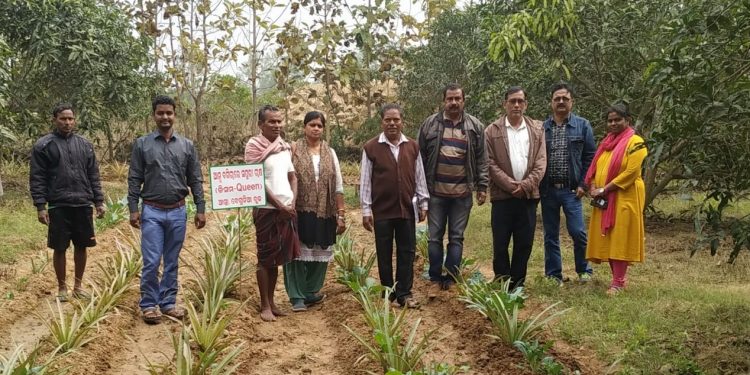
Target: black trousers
<point>403,231</point>
<point>513,218</point>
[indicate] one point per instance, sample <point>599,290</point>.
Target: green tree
<point>682,66</point>
<point>374,52</point>
<point>6,117</point>
<point>428,68</point>
<point>81,51</point>
<point>199,44</point>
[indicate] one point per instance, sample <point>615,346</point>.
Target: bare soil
<point>312,342</point>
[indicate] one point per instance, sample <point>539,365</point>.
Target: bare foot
<point>267,315</point>
<point>277,311</point>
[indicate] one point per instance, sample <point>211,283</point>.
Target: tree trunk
<point>253,123</point>
<point>110,142</point>
<point>1,186</point>
<point>199,137</point>
<point>367,57</point>
<point>286,115</point>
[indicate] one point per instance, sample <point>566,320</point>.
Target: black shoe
<point>299,305</point>
<point>446,285</point>
<point>391,297</point>
<point>315,299</point>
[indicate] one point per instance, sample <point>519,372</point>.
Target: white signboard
<point>235,186</point>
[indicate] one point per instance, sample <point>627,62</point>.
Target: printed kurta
<point>626,240</point>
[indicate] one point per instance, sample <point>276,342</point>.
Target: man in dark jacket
<point>64,182</point>
<point>570,149</point>
<point>451,143</point>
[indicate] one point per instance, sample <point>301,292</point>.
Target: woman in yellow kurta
<point>616,233</point>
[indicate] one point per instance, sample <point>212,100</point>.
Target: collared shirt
<point>365,189</point>
<point>161,171</point>
<point>557,155</point>
<point>518,148</point>
<point>450,174</point>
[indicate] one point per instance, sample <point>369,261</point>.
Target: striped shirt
<point>450,177</point>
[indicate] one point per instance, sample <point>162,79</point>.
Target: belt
<point>559,186</point>
<point>163,206</point>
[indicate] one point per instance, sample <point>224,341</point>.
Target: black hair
<point>452,87</point>
<point>562,85</point>
<point>263,110</point>
<point>312,115</point>
<point>61,107</point>
<point>619,108</point>
<point>389,107</point>
<point>514,89</point>
<point>162,99</point>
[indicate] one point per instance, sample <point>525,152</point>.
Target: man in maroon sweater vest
<point>392,182</point>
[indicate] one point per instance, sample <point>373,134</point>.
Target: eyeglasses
<point>516,101</point>
<point>561,99</point>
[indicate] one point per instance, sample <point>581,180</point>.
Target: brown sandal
<point>175,312</point>
<point>151,316</point>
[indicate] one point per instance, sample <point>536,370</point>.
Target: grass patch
<point>678,315</point>
<point>655,326</point>
<point>351,197</point>
<point>478,234</point>
<point>18,216</point>
<point>683,205</point>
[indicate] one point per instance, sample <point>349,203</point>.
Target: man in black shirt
<point>64,175</point>
<point>162,167</point>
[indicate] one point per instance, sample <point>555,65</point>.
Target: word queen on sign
<point>235,186</point>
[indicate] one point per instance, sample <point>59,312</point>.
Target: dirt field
<point>313,342</point>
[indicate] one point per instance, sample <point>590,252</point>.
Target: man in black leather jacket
<point>451,143</point>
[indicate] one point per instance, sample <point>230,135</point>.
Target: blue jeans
<point>162,235</point>
<point>455,212</point>
<point>571,205</point>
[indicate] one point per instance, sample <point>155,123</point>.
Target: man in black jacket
<point>64,182</point>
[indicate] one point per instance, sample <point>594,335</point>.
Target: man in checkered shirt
<point>570,149</point>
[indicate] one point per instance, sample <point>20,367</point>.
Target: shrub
<point>116,211</point>
<point>494,301</point>
<point>389,347</point>
<point>20,363</point>
<point>536,355</point>
<point>40,262</point>
<point>71,331</point>
<point>350,264</point>
<point>186,362</point>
